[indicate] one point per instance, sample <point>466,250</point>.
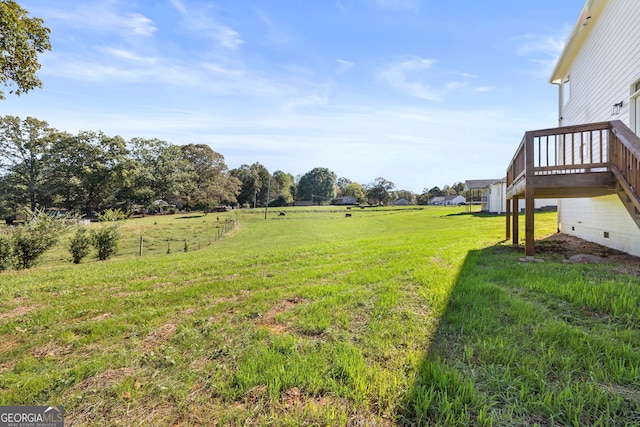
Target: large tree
<point>255,180</point>
<point>282,188</point>
<point>379,191</point>
<point>86,170</point>
<point>319,185</point>
<point>164,172</point>
<point>354,189</point>
<point>213,183</point>
<point>23,145</point>
<point>22,38</point>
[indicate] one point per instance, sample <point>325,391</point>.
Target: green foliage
<point>106,240</point>
<point>318,185</point>
<point>379,191</point>
<point>32,239</point>
<point>21,40</point>
<point>6,253</point>
<point>79,245</point>
<point>111,215</point>
<point>353,189</point>
<point>23,148</point>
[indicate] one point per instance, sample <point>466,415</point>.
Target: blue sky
<point>422,93</point>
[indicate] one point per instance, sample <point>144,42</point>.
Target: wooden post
<point>514,223</point>
<point>508,219</point>
<point>530,203</point>
<point>141,244</point>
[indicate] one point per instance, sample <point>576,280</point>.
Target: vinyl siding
<point>600,76</point>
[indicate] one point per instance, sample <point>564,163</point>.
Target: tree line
<point>42,167</point>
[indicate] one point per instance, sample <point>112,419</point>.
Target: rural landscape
<point>393,316</point>
<point>144,282</point>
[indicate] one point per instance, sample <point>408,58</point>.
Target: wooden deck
<point>569,162</point>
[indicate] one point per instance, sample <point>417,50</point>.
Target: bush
<point>80,244</point>
<point>30,240</point>
<point>106,240</point>
<point>5,252</point>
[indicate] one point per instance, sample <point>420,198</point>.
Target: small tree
<point>5,252</point>
<point>80,245</point>
<point>32,239</point>
<point>106,239</point>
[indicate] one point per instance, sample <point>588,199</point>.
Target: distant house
<point>496,199</point>
<point>476,191</point>
<point>402,202</point>
<point>437,201</point>
<point>454,200</point>
<point>345,200</point>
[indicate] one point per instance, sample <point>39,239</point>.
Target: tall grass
<point>391,316</point>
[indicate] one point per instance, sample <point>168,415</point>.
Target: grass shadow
<point>531,344</point>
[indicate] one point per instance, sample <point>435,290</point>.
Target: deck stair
<point>574,161</point>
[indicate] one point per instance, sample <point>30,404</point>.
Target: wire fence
<point>183,241</point>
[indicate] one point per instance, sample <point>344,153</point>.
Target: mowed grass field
<point>391,317</point>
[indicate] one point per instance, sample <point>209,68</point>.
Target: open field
<point>391,317</point>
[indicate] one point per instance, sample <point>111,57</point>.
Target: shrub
<point>5,252</point>
<point>106,240</point>
<point>31,240</point>
<point>79,245</point>
<point>113,215</point>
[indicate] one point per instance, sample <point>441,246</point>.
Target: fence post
<point>141,244</point>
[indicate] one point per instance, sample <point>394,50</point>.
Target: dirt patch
<point>268,320</point>
<point>100,381</point>
<point>575,250</point>
<point>8,344</point>
<point>17,312</point>
<point>158,337</point>
<point>50,349</point>
<point>103,316</point>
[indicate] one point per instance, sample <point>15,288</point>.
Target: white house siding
<point>601,75</point>
<point>590,219</point>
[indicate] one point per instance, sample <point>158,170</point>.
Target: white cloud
<point>127,55</point>
<point>200,21</point>
<point>179,5</point>
<point>104,16</point>
<point>483,89</point>
<point>343,66</point>
<point>542,49</point>
<point>408,76</point>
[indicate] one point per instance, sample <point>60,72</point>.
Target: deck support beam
<point>529,223</point>
<point>514,223</point>
<point>508,219</point>
<point>530,202</point>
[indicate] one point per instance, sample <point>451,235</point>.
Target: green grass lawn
<point>390,317</point>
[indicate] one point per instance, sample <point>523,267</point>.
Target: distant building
<point>437,201</point>
<point>454,200</point>
<point>345,200</point>
<point>402,202</point>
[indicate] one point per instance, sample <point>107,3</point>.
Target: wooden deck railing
<point>625,162</point>
<point>564,150</point>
